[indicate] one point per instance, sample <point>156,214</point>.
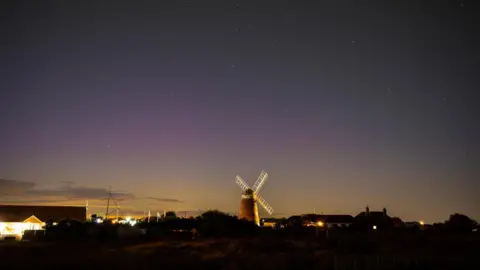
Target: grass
<point>246,253</point>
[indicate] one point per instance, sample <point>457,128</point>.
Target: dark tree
<point>218,224</point>
<point>170,214</point>
<point>460,222</point>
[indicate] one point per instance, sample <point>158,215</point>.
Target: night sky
<point>344,103</point>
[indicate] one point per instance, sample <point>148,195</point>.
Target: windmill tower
<point>250,197</point>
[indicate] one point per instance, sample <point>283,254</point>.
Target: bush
<point>218,224</point>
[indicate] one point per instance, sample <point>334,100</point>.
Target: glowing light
<point>320,224</point>
<point>374,227</point>
<point>17,228</point>
<point>422,223</point>
<point>98,220</point>
<point>128,219</point>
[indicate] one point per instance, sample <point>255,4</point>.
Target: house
<point>294,221</point>
<point>328,221</point>
<point>15,219</point>
<point>372,220</point>
<point>415,225</point>
<point>272,222</point>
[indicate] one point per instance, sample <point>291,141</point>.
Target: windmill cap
<point>248,191</point>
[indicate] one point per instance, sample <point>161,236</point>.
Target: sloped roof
<point>329,218</point>
<point>296,217</point>
<point>272,219</point>
<point>19,213</point>
<point>33,219</point>
<point>372,214</point>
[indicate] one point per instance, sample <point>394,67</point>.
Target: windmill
<point>250,197</point>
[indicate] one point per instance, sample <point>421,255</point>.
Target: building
<point>249,208</point>
<point>15,219</point>
<point>415,225</point>
<point>372,220</point>
<point>295,221</point>
<point>328,221</point>
<point>272,222</point>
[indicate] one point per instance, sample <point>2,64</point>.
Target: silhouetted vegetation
<point>226,241</point>
<point>170,214</point>
<point>348,250</point>
<point>460,223</point>
<point>217,224</point>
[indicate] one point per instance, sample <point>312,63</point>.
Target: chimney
<point>384,212</point>
<point>367,211</point>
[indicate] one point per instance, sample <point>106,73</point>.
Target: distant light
<point>99,220</point>
<point>374,227</point>
<point>320,224</point>
<point>422,223</point>
<point>128,219</point>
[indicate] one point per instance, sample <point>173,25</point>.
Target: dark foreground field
<point>252,253</point>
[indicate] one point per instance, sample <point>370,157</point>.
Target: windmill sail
<point>241,183</point>
<point>260,181</point>
<point>265,205</point>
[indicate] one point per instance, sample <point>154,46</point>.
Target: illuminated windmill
<point>250,197</point>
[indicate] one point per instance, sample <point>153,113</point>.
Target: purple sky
<point>344,104</point>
